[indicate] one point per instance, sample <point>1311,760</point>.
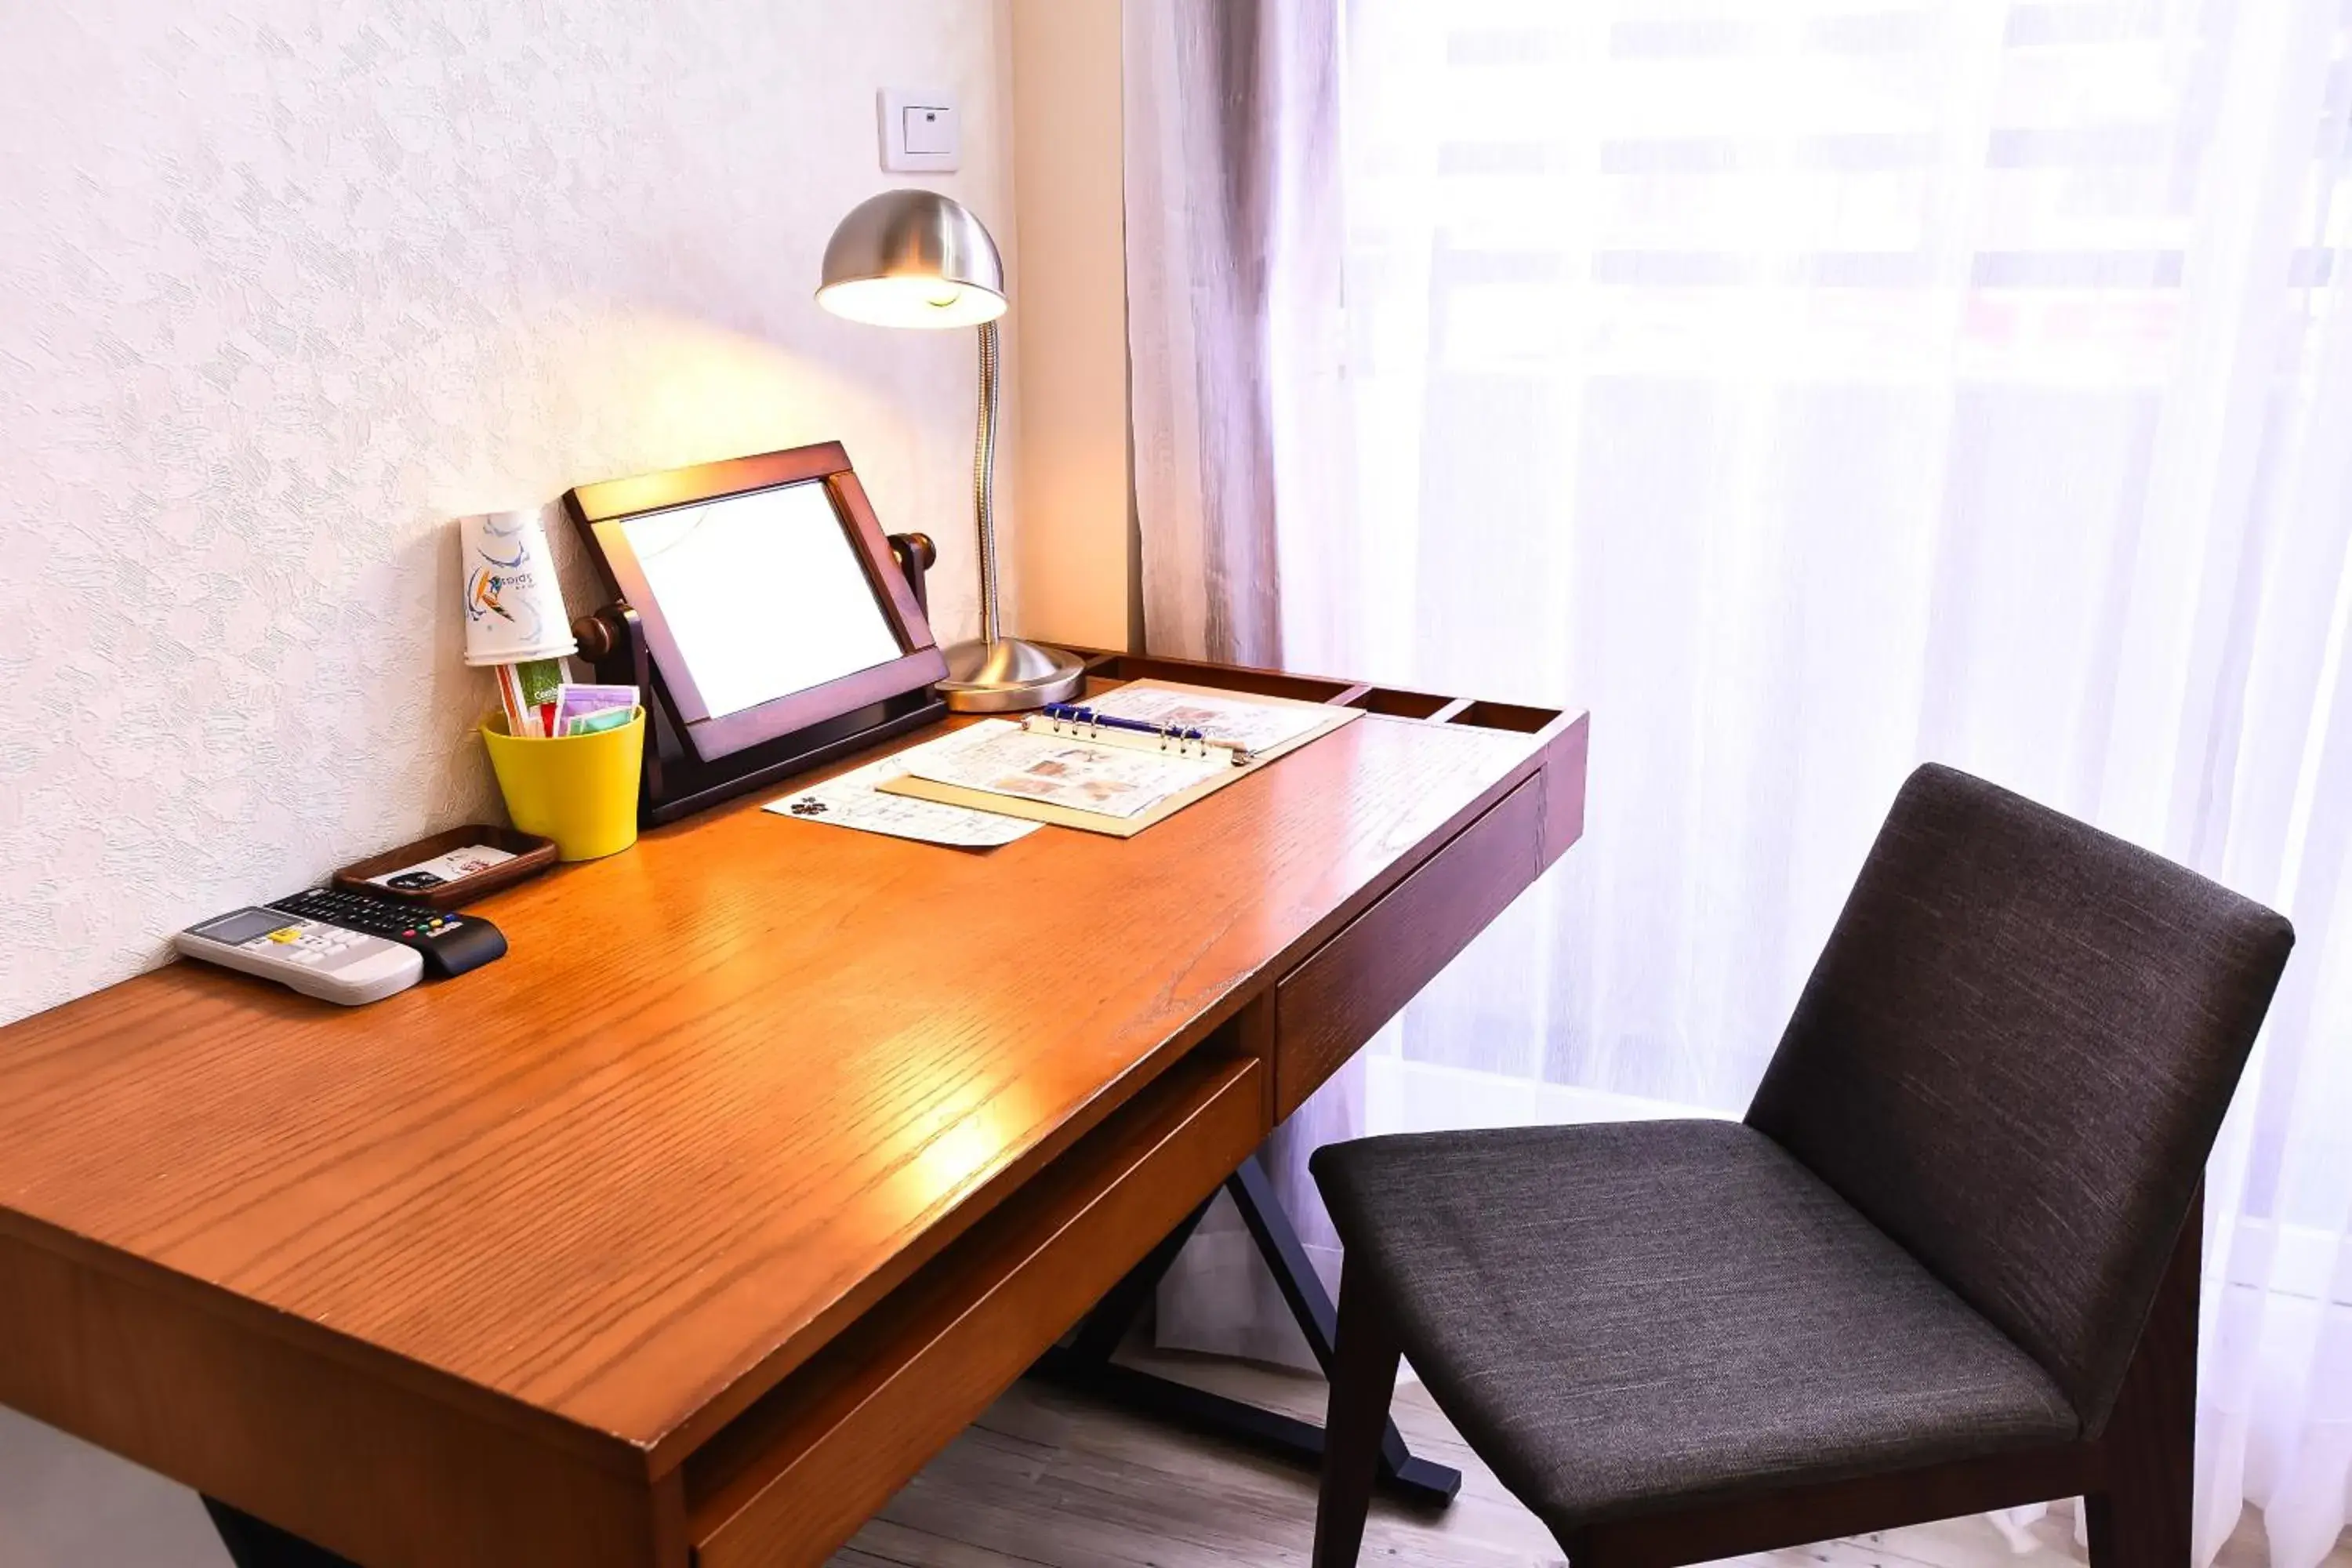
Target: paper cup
<point>514,611</point>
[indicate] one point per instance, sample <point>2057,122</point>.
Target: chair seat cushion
<point>1627,1316</point>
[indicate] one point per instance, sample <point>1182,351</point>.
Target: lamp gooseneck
<point>984,482</point>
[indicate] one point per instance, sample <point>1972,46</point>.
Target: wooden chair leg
<point>2141,1518</point>
<point>1363,1377</point>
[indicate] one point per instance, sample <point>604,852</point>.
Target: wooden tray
<point>531,855</point>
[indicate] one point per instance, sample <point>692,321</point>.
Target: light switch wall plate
<point>922,130</point>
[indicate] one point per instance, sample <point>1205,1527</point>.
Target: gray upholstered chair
<point>1947,1263</point>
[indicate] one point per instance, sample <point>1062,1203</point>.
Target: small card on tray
<point>450,865</point>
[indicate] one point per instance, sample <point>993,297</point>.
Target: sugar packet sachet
<point>582,709</point>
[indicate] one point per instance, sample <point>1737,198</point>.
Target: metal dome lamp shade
<point>914,259</point>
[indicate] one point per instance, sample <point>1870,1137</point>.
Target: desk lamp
<point>914,259</point>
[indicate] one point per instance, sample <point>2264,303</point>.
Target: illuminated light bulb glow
<point>911,302</point>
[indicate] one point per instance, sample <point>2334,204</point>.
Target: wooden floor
<point>1048,1478</point>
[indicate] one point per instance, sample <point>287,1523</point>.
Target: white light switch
<point>921,130</point>
<point>931,129</point>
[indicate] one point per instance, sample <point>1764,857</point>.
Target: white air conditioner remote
<point>322,960</point>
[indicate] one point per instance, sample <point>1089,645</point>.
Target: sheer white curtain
<point>1812,388</point>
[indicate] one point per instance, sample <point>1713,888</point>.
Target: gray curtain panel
<point>1232,138</point>
<point>1234,243</point>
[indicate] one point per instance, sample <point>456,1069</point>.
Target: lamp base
<point>1009,675</point>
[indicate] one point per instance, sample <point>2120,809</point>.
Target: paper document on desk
<point>851,799</point>
<point>1254,725</point>
<point>1067,770</point>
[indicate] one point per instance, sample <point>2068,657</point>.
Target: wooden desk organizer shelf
<point>1105,668</point>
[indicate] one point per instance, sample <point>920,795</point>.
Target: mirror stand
<point>676,782</point>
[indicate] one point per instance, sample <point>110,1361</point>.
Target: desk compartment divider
<point>1566,736</point>
<point>1106,668</point>
<point>792,1477</point>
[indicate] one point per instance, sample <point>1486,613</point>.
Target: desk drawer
<point>1346,989</point>
<point>796,1474</point>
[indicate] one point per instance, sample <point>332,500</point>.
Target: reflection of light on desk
<point>951,1161</point>
<point>970,1142</point>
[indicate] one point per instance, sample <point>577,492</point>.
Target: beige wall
<point>285,285</point>
<point>1071,556</point>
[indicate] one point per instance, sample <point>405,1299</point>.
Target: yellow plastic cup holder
<point>579,790</point>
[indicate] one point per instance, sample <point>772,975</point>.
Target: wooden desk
<point>771,1154</point>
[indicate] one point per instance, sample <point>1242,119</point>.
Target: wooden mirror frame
<point>599,512</point>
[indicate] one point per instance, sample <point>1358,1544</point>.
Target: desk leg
<point>252,1543</point>
<point>1085,1365</point>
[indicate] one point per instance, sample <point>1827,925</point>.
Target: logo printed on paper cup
<point>491,591</point>
<point>482,594</point>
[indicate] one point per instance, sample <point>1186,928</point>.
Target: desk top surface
<point>718,1095</point>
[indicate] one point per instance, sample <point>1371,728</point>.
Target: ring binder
<point>1082,719</point>
<point>1043,779</point>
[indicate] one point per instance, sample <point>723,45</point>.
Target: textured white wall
<point>286,284</point>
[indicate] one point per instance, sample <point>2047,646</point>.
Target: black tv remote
<point>451,943</point>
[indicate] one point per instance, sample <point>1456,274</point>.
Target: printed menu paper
<point>851,799</point>
<point>1113,781</point>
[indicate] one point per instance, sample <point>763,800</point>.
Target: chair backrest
<point>2013,1056</point>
